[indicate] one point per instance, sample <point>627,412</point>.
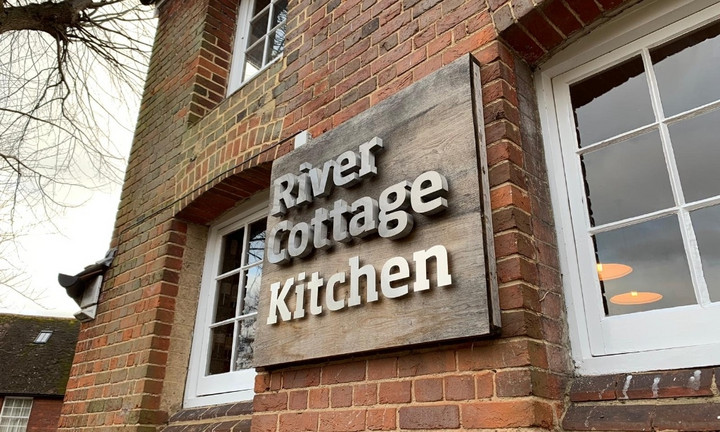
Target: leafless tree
<point>65,68</point>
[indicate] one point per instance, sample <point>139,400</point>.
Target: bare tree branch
<point>66,65</point>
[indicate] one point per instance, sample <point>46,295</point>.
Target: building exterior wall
<point>44,415</point>
<point>197,153</point>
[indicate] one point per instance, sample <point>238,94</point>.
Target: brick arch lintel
<point>537,31</point>
<point>202,207</point>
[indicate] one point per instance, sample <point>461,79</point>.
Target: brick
<point>270,402</point>
<point>301,378</point>
<point>429,417</point>
<point>296,422</point>
<point>665,384</point>
<point>382,368</point>
<point>395,392</point>
<point>341,396</point>
<point>459,388</point>
<point>365,394</point>
<point>298,400</point>
<point>593,388</point>
<point>428,390</point>
<point>426,363</point>
<point>381,419</point>
<point>506,414</point>
<point>608,418</point>
<point>494,355</point>
<point>343,372</point>
<point>342,421</point>
<point>319,398</point>
<point>513,383</point>
<point>484,385</point>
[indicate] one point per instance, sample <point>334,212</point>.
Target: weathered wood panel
<point>433,125</point>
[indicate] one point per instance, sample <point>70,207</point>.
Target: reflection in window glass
<point>707,230</point>
<point>687,70</point>
<point>697,152</point>
<point>627,179</point>
<point>220,349</point>
<point>233,329</point>
<point>226,301</point>
<point>612,102</point>
<point>654,251</point>
<point>232,250</point>
<point>265,38</point>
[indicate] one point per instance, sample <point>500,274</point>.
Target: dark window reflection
<point>687,70</point>
<point>257,242</point>
<point>697,152</point>
<point>654,251</point>
<point>707,231</point>
<point>232,250</point>
<point>220,349</point>
<point>226,301</point>
<point>627,179</point>
<point>614,101</point>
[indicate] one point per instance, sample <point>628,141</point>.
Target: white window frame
<point>235,386</point>
<point>4,416</point>
<point>658,339</point>
<point>245,14</point>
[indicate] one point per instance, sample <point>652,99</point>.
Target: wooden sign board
<point>340,238</point>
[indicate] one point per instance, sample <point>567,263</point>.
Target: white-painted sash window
<point>259,39</point>
<point>15,414</point>
<point>222,351</point>
<point>633,152</point>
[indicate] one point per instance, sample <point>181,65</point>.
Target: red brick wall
<point>44,415</point>
<point>197,153</point>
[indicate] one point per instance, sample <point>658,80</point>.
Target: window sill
<point>232,89</point>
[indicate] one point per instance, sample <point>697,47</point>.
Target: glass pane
<point>232,250</point>
<point>707,232</point>
<point>627,179</point>
<point>252,289</point>
<point>260,5</point>
<point>642,262</point>
<point>258,27</point>
<point>220,349</point>
<point>256,248</point>
<point>246,337</point>
<point>253,60</point>
<point>614,101</point>
<point>697,152</point>
<point>687,70</point>
<point>279,12</point>
<point>277,43</point>
<point>227,294</point>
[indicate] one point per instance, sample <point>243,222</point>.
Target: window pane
<point>257,242</point>
<point>277,43</point>
<point>260,5</point>
<point>654,253</point>
<point>252,289</point>
<point>232,250</point>
<point>227,294</point>
<point>253,60</point>
<point>627,179</point>
<point>246,337</point>
<point>697,152</point>
<point>220,349</point>
<point>614,101</point>
<point>687,70</point>
<point>258,27</point>
<point>279,13</point>
<point>707,231</point>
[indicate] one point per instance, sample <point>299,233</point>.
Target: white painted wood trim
<point>661,339</point>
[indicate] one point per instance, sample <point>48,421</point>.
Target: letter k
<point>277,301</point>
